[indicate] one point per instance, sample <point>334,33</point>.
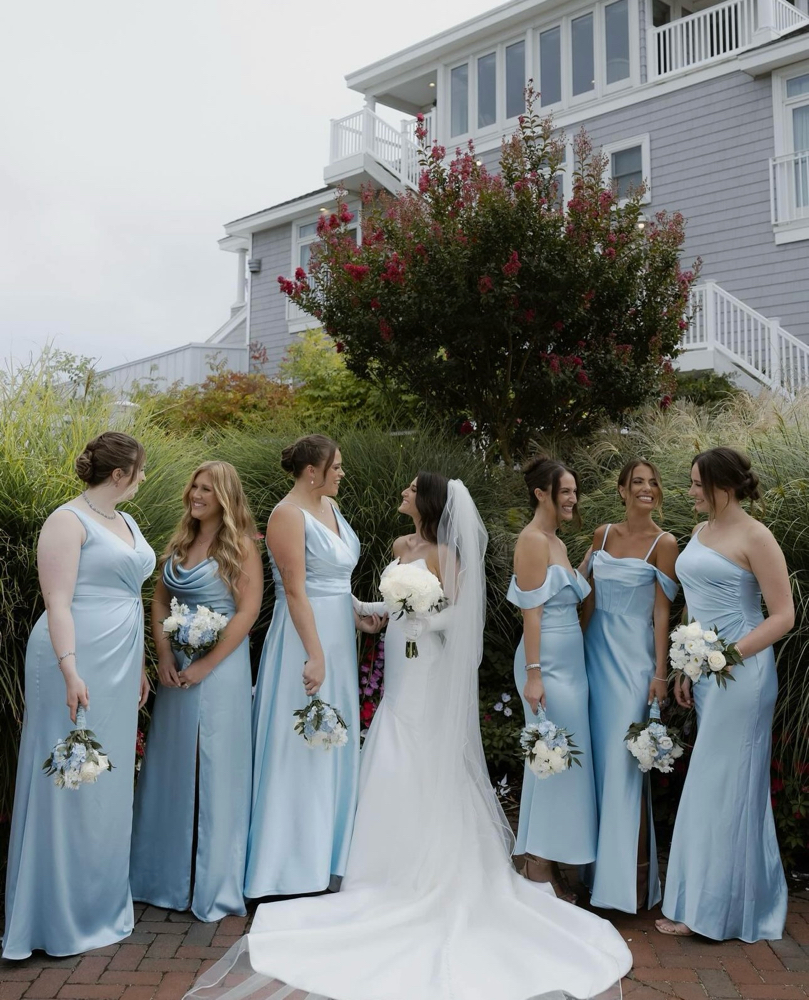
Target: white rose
<point>709,635</point>
<point>678,634</point>
<point>716,660</point>
<point>665,743</point>
<point>676,752</point>
<point>90,771</point>
<point>694,630</point>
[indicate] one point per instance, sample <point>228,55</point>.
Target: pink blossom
<point>512,267</point>
<point>485,284</point>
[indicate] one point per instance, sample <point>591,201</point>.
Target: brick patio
<point>167,952</point>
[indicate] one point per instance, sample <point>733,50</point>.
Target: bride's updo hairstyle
<point>431,499</point>
<point>726,469</point>
<point>314,449</point>
<point>110,451</point>
<point>544,473</point>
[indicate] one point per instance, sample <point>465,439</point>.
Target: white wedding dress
<point>430,906</point>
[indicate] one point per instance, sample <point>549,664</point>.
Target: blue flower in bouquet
<point>321,725</point>
<point>653,745</point>
<point>547,748</point>
<point>77,759</point>
<point>193,634</point>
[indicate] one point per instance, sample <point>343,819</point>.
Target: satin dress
<point>558,819</point>
<point>304,799</point>
<point>725,878</point>
<point>198,754</point>
<point>67,885</point>
<point>619,652</point>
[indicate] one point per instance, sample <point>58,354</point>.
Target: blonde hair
<point>235,532</point>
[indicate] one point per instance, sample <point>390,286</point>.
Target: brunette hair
<point>625,477</point>
<point>431,499</point>
<point>544,473</point>
<point>314,449</point>
<point>109,451</point>
<point>726,469</point>
<point>237,529</point>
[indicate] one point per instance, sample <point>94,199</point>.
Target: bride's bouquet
<point>652,744</point>
<point>547,748</point>
<point>193,634</point>
<point>696,651</point>
<point>321,725</point>
<point>413,591</point>
<point>77,759</point>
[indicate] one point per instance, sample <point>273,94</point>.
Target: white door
<point>797,113</point>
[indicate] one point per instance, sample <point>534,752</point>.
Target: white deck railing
<point>365,132</point>
<point>755,344</point>
<point>717,32</point>
<point>789,188</point>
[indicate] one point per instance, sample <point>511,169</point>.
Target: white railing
<point>717,32</point>
<point>789,188</point>
<point>755,344</point>
<point>365,132</point>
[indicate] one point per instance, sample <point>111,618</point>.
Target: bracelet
<point>533,666</point>
<point>64,656</point>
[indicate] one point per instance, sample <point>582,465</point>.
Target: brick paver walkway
<point>167,952</point>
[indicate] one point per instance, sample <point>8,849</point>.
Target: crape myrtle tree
<point>506,311</point>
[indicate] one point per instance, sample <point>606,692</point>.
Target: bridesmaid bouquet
<point>696,651</point>
<point>548,749</point>
<point>652,744</point>
<point>321,725</point>
<point>78,758</point>
<point>193,634</point>
<point>411,590</point>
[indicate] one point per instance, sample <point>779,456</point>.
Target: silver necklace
<point>108,517</point>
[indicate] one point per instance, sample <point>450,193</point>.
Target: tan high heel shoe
<point>540,870</point>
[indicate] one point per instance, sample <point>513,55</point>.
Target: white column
<point>241,271</point>
<point>766,22</point>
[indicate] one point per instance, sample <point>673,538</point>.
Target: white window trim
<point>646,161</point>
<point>786,232</point>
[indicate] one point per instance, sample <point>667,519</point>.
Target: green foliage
<point>489,302</point>
<point>705,388</point>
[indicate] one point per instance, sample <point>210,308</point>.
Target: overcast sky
<point>131,132</point>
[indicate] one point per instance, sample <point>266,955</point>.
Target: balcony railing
<point>789,188</point>
<point>717,32</point>
<point>753,343</point>
<point>365,132</point>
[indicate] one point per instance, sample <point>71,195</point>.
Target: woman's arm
<point>58,554</point>
<point>161,609</point>
<point>249,591</point>
<point>286,539</point>
<point>666,552</point>
<point>531,558</point>
<point>769,567</point>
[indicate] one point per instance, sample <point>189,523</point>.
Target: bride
<point>430,906</point>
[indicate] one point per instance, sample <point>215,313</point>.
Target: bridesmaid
<point>725,878</point>
<point>557,815</point>
<point>192,805</point>
<point>67,885</point>
<point>626,643</point>
<point>303,799</point>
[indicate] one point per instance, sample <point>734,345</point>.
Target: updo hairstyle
<point>431,499</point>
<point>726,469</point>
<point>544,473</point>
<point>314,449</point>
<point>110,451</point>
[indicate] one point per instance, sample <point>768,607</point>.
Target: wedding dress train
<point>430,907</point>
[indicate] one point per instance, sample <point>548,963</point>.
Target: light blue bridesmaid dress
<point>199,735</point>
<point>725,878</point>
<point>67,886</point>
<point>304,799</point>
<point>619,652</point>
<point>558,814</point>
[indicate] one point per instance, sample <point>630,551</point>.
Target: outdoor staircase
<point>728,336</point>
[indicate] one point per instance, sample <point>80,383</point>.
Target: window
<point>307,236</point>
<point>487,90</point>
<point>616,41</point>
<point>515,79</point>
<point>628,166</point>
<point>789,168</point>
<point>550,66</point>
<point>459,100</point>
<point>582,62</point>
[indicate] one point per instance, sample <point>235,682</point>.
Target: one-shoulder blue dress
<point>558,814</point>
<point>725,878</point>
<point>304,799</point>
<point>620,654</point>
<point>67,885</point>
<point>198,756</point>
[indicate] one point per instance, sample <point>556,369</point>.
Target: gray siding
<point>236,335</point>
<point>710,150</point>
<point>268,322</point>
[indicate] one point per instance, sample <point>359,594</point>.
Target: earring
<point>311,482</point>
